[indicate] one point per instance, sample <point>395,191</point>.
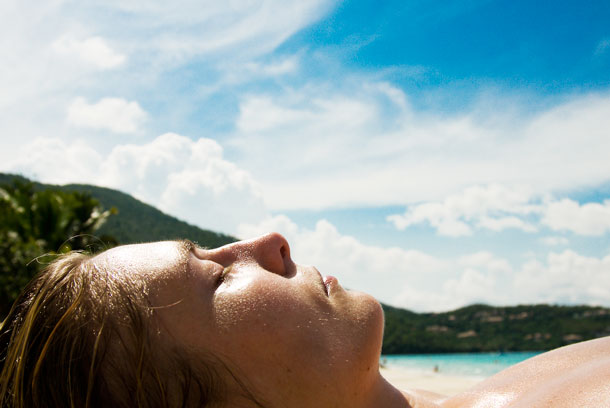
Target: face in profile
<point>282,327</point>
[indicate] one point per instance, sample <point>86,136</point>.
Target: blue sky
<point>434,154</point>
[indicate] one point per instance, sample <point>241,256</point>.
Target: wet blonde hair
<point>79,336</point>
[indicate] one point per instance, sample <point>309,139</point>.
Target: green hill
<point>136,221</point>
<point>486,328</point>
<point>469,329</point>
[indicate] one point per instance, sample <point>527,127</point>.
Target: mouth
<point>323,282</point>
<point>327,283</point>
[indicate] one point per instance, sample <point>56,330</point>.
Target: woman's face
<point>275,323</point>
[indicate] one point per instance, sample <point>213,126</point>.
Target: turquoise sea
<point>464,364</point>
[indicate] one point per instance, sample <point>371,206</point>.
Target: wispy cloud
<point>602,47</point>
<point>113,114</point>
<point>279,67</point>
<point>68,49</point>
<point>367,134</point>
<point>491,207</point>
<point>497,207</point>
<point>554,241</point>
<point>93,50</point>
<point>245,29</point>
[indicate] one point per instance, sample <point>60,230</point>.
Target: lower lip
<point>330,282</point>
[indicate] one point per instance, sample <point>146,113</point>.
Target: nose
<point>270,251</point>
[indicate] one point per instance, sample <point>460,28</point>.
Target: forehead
<point>150,258</point>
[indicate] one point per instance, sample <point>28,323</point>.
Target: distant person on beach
<point>169,324</point>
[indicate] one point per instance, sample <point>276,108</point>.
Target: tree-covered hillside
<point>38,224</point>
<point>136,221</point>
<point>487,328</point>
<point>140,222</point>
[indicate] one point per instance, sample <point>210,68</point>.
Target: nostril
<point>283,251</point>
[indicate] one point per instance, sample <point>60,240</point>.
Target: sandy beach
<point>444,384</point>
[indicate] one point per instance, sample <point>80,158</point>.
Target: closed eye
<point>223,274</point>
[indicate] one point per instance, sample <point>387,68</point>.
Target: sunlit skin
<point>296,343</point>
<point>572,376</point>
<point>272,320</point>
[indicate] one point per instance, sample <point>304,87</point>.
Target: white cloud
<point>258,114</point>
<point>419,281</point>
<point>497,208</point>
<point>93,50</point>
<point>278,223</point>
<point>489,207</point>
<point>114,114</point>
<point>554,241</point>
<point>567,277</point>
<point>436,215</point>
<point>235,73</point>
<point>235,29</point>
<point>345,141</point>
<point>586,219</point>
<point>473,286</point>
<point>53,161</point>
<point>62,49</point>
<point>262,114</point>
<point>276,68</point>
<point>499,224</point>
<point>360,142</point>
<point>188,179</point>
<point>485,260</point>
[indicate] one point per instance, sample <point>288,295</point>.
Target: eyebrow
<point>185,248</point>
<point>185,245</point>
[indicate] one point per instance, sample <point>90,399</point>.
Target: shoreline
<point>445,384</point>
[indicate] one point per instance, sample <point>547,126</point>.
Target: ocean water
<point>463,364</point>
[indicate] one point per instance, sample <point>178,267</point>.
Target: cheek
<point>286,335</point>
<point>255,306</point>
<point>278,320</point>
<point>267,314</point>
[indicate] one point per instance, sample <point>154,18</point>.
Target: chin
<point>369,320</point>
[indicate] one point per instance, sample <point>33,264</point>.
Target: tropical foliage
<point>134,220</point>
<point>36,224</point>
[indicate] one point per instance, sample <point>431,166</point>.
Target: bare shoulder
<point>575,375</point>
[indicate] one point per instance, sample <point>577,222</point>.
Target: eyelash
<point>224,273</point>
